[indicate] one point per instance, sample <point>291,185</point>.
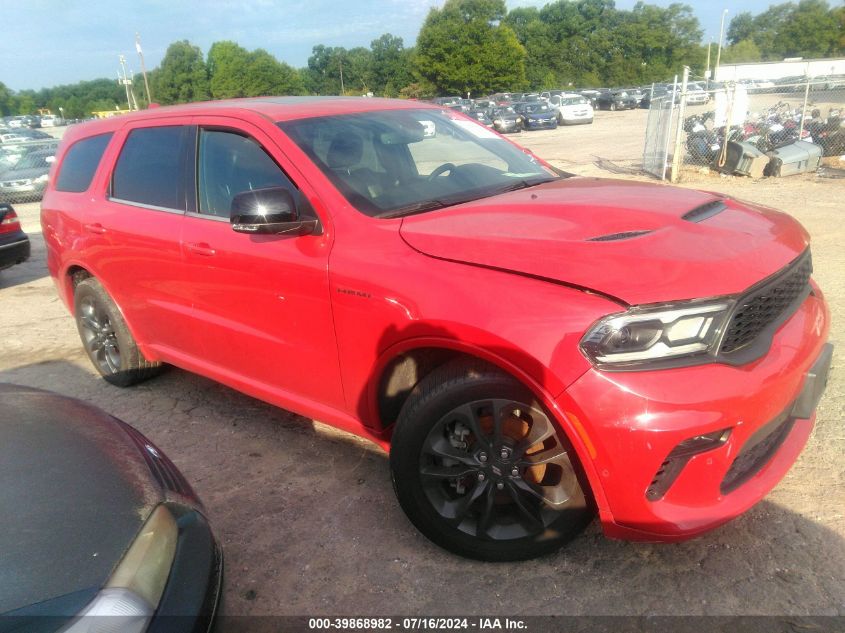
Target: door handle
<point>97,228</point>
<point>201,249</point>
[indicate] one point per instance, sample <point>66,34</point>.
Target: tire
<point>612,107</point>
<point>106,339</point>
<point>477,496</point>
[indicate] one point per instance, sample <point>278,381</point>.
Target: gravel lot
<point>307,515</point>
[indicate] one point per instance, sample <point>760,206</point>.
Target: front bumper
<point>632,422</point>
<point>14,249</point>
<point>536,124</point>
<point>193,588</point>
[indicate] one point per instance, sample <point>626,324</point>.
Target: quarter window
<point>149,170</point>
<point>80,163</point>
<point>229,164</point>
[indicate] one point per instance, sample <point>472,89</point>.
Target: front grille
<point>763,306</point>
<point>164,471</point>
<point>757,452</point>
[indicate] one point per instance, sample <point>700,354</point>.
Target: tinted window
<point>230,164</point>
<point>80,163</point>
<point>149,170</point>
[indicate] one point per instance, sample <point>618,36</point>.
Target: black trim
<point>615,237</point>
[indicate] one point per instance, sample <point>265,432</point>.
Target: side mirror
<point>270,211</point>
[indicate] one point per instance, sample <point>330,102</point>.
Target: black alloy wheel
<point>481,469</point>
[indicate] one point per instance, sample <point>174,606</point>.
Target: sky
<point>51,42</point>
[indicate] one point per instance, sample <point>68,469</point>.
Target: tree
<point>741,28</point>
<point>811,30</point>
<point>391,65</point>
<point>227,66</point>
<point>265,75</point>
<point>182,76</point>
<point>6,97</point>
<point>465,47</point>
<point>743,52</point>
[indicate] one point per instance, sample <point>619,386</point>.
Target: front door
<point>261,302</point>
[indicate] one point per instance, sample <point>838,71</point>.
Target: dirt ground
<point>307,515</point>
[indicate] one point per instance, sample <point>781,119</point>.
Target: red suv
<point>532,348</point>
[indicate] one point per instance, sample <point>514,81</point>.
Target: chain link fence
<point>754,129</point>
<point>24,167</point>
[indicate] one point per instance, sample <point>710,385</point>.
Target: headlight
<point>499,122</point>
<point>643,335</point>
<point>134,590</point>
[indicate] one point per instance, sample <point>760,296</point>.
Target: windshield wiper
<point>419,207</point>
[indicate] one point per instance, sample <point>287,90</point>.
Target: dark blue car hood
<point>74,491</point>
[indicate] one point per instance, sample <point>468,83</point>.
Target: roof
<point>272,108</point>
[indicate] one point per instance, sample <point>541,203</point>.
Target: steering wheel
<point>442,169</point>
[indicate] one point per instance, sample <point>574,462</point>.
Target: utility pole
<point>127,83</point>
<point>342,91</point>
<point>143,68</point>
<point>719,51</point>
<point>707,72</point>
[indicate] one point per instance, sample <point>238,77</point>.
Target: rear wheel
<point>106,339</point>
<point>480,468</point>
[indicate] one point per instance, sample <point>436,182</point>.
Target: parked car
<point>572,109</point>
<point>532,348</point>
<point>25,182</point>
<point>591,95</point>
<point>537,115</point>
<point>14,243</point>
<point>103,524</point>
<point>481,116</point>
<point>506,120</point>
<point>616,100</point>
<point>696,95</point>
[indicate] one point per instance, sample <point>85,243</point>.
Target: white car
<point>572,109</point>
<point>696,95</point>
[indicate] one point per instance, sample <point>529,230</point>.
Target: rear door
<point>137,230</point>
<point>261,302</point>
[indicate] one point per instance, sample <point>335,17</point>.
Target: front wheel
<point>481,470</point>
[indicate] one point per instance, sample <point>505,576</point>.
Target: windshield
<point>396,162</point>
<point>573,101</point>
<point>533,108</point>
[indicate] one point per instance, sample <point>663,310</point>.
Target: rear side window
<point>80,163</point>
<point>149,169</point>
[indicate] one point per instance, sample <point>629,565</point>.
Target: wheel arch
<point>404,364</point>
<point>73,275</point>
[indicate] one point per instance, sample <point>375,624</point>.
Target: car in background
<point>14,243</point>
<point>537,115</point>
<point>591,95</point>
<point>27,179</point>
<point>616,100</point>
<point>481,116</point>
<point>572,109</point>
<point>507,119</point>
<point>696,94</point>
<point>51,120</point>
<point>104,524</point>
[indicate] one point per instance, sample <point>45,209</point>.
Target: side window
<point>230,163</point>
<point>80,163</point>
<point>149,169</point>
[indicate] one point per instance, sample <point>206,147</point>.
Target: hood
<point>628,240</point>
<point>75,493</point>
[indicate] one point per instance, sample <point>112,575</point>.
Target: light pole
<point>62,112</point>
<point>719,51</point>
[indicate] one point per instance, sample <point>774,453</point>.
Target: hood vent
<point>704,211</point>
<point>615,237</point>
